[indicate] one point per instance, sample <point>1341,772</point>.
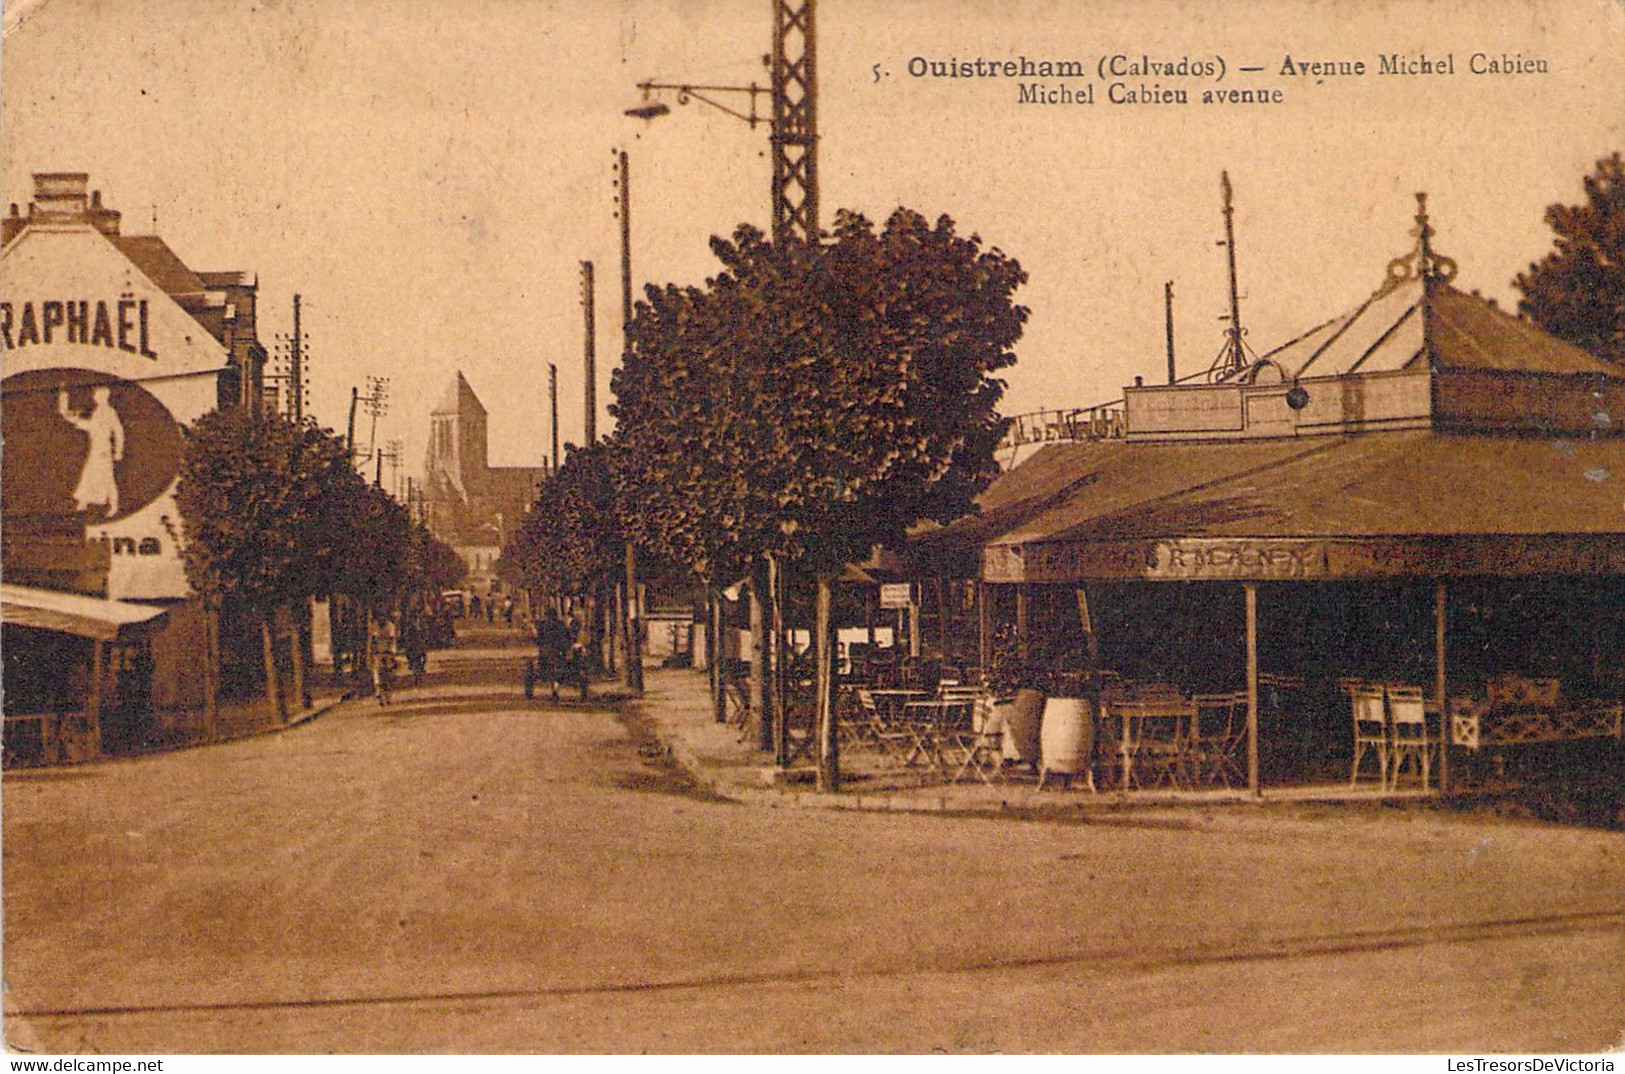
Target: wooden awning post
<point>1440,616</point>
<point>1021,620</point>
<point>981,628</point>
<point>1253,787</point>
<point>93,701</point>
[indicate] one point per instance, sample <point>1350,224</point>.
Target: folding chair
<point>1217,733</point>
<point>1370,729</point>
<point>978,748</point>
<point>1408,730</point>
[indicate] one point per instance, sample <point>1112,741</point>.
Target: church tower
<point>457,439</point>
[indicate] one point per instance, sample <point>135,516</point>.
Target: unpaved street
<point>466,871</point>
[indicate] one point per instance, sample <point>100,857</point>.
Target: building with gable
<point>468,503</point>
<point>110,344</point>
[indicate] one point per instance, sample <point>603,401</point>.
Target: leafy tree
<point>374,533</point>
<point>814,400</point>
<point>570,544</point>
<point>433,565</point>
<point>1577,292</point>
<point>257,496</point>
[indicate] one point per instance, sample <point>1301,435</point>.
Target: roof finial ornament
<point>1421,262</point>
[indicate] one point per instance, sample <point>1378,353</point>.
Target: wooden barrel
<point>1068,736</point>
<point>1021,722</point>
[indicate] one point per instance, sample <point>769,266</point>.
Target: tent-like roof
<point>1385,334</point>
<point>71,613</point>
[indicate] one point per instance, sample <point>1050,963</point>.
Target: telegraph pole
<point>1168,321</point>
<point>553,408</point>
<point>590,355</point>
<point>631,631</point>
<point>296,366</point>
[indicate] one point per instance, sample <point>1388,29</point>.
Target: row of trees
<point>275,516</point>
<point>809,402</point>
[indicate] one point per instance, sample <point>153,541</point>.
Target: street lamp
<point>794,122</point>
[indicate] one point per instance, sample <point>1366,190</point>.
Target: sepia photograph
<point>804,527</point>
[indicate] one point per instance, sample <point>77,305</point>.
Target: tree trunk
<point>211,667</point>
<point>714,651</point>
<point>296,646</point>
<point>761,665</point>
<point>337,631</point>
<point>268,647</point>
<point>361,633</point>
<point>781,708</point>
<point>632,634</point>
<point>829,754</point>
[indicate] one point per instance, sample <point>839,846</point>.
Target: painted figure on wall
<point>98,481</point>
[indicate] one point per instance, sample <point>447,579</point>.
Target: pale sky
<point>428,175</point>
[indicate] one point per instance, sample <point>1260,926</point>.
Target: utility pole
<point>553,409</point>
<point>296,367</point>
<point>590,355</point>
<point>631,631</point>
<point>349,434</point>
<point>795,121</point>
<point>1168,318</point>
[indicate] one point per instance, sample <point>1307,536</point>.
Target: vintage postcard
<point>814,526</point>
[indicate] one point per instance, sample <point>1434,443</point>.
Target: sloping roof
<point>1413,483</point>
<point>70,613</point>
<point>1015,495</point>
<point>1385,334</point>
<point>459,398</point>
<point>154,257</point>
<point>1108,476</point>
<point>1469,333</point>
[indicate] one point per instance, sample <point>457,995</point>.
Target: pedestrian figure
<point>414,646</point>
<point>382,661</point>
<point>507,610</point>
<point>491,610</point>
<point>576,668</point>
<point>553,650</point>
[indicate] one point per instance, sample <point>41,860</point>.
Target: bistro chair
<point>1218,732</point>
<point>1408,731</point>
<point>930,725</point>
<point>979,748</point>
<point>1370,729</point>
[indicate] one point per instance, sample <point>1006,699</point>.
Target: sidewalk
<point>678,707</point>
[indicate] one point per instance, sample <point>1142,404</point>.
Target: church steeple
<point>457,443</point>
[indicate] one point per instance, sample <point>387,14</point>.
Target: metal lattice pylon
<point>795,121</point>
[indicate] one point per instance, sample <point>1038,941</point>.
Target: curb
<point>925,802</point>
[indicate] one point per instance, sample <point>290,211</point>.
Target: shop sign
<point>896,595</point>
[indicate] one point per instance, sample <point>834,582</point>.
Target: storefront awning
<point>71,613</point>
<point>1417,503</point>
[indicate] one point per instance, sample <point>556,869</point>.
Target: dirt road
<point>466,871</point>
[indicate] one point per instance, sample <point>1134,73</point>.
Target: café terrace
<point>1396,543</point>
